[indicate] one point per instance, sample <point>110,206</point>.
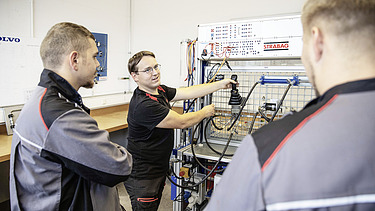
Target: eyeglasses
<point>149,70</point>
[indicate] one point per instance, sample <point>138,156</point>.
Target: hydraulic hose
<point>281,101</point>
<point>278,106</point>
<point>174,173</point>
<point>192,150</point>
<point>190,105</point>
<point>209,174</point>
<point>200,164</point>
<point>263,115</point>
<point>205,136</point>
<point>252,122</point>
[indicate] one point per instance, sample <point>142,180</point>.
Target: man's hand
<point>209,110</point>
<point>227,83</point>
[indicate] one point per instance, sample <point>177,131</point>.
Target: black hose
<point>281,102</point>
<point>190,105</point>
<point>192,149</point>
<point>263,115</point>
<point>209,174</point>
<point>200,164</point>
<point>213,123</point>
<point>195,157</point>
<point>278,106</point>
<point>252,122</point>
<point>174,173</point>
<point>205,136</point>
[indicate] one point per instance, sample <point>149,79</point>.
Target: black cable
<point>189,106</point>
<point>192,148</point>
<point>243,105</point>
<point>200,164</point>
<point>278,106</point>
<point>210,74</point>
<point>209,174</point>
<point>179,195</point>
<point>213,123</point>
<point>195,157</point>
<point>211,171</point>
<point>205,137</point>
<point>173,172</point>
<point>227,63</point>
<point>263,115</point>
<point>208,79</point>
<point>281,102</point>
<point>195,129</point>
<point>252,122</point>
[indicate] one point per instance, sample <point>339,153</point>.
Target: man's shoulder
<point>166,88</point>
<point>53,105</point>
<point>139,99</point>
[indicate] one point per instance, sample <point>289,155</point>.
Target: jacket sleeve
<point>78,143</point>
<point>240,186</point>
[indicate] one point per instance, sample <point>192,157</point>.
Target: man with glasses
<point>151,122</point>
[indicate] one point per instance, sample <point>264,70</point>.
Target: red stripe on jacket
<point>299,126</point>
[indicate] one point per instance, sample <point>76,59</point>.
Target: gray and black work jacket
<point>60,160</point>
<point>321,158</point>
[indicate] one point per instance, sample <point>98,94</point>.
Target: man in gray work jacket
<point>60,160</point>
<point>321,158</point>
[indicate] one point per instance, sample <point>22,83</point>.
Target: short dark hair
<point>136,58</point>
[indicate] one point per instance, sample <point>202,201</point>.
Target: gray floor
<point>165,204</point>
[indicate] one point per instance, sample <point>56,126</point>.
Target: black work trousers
<point>145,195</point>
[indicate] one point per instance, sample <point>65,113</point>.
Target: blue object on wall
<point>102,44</point>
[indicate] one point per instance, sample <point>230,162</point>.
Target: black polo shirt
<point>150,146</point>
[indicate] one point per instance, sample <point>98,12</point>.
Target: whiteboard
<point>20,68</point>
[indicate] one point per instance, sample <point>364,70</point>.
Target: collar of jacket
<point>346,88</point>
<point>50,79</point>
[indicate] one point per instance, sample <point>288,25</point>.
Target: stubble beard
<point>89,85</point>
<point>312,80</point>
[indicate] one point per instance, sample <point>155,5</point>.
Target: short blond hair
<point>343,16</point>
<point>62,39</point>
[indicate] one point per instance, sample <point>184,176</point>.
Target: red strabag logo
<point>276,46</point>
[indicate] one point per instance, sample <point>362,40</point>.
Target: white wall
<point>33,18</point>
<point>110,17</point>
<point>156,25</point>
<point>160,26</point>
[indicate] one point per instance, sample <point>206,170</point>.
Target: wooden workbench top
<point>111,118</point>
<point>5,145</point>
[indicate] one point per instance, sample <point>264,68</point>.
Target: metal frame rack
<point>264,54</point>
<point>263,94</point>
<point>295,99</point>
